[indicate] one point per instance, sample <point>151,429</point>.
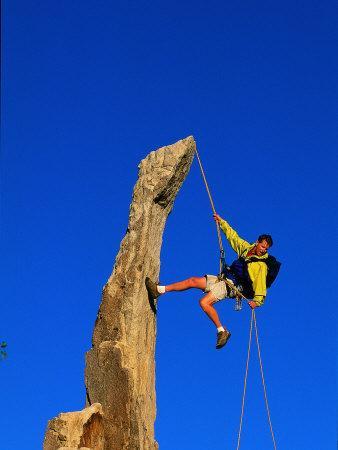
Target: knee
<point>193,282</point>
<point>205,303</point>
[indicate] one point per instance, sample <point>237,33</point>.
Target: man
<point>248,274</point>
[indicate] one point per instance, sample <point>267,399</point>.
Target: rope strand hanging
<point>245,382</point>
<point>263,380</point>
<point>253,322</point>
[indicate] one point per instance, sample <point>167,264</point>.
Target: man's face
<point>261,247</point>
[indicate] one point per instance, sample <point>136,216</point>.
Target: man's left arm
<point>257,272</point>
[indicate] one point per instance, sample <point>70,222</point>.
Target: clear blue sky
<point>88,89</point>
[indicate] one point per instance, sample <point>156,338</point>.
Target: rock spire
<point>120,367</point>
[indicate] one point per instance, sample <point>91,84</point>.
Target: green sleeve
<point>238,244</point>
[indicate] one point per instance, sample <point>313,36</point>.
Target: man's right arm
<point>238,244</point>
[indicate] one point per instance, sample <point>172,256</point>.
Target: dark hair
<point>267,238</point>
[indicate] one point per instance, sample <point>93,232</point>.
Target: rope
<point>212,207</point>
<point>205,181</point>
<point>253,321</point>
<point>263,382</point>
<point>245,380</point>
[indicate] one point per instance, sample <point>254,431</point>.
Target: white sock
<point>220,329</point>
<point>161,289</point>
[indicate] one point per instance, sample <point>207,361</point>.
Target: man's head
<point>264,242</point>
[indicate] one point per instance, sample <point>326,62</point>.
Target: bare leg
<point>193,282</point>
<point>206,304</point>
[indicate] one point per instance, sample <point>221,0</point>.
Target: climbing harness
<point>253,322</point>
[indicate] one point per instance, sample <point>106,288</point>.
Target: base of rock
<point>76,430</point>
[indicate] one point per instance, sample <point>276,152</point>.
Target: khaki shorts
<point>217,287</point>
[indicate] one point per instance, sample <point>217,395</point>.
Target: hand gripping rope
<point>253,321</point>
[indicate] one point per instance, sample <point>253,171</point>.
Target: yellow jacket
<point>257,270</point>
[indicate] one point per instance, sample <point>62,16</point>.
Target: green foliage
<point>3,353</point>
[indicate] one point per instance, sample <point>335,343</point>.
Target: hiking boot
<point>152,288</point>
<point>222,338</point>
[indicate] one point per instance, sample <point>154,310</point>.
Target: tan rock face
<point>120,372</point>
<point>76,430</point>
<point>120,367</point>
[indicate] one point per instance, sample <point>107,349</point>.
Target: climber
<point>251,273</point>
